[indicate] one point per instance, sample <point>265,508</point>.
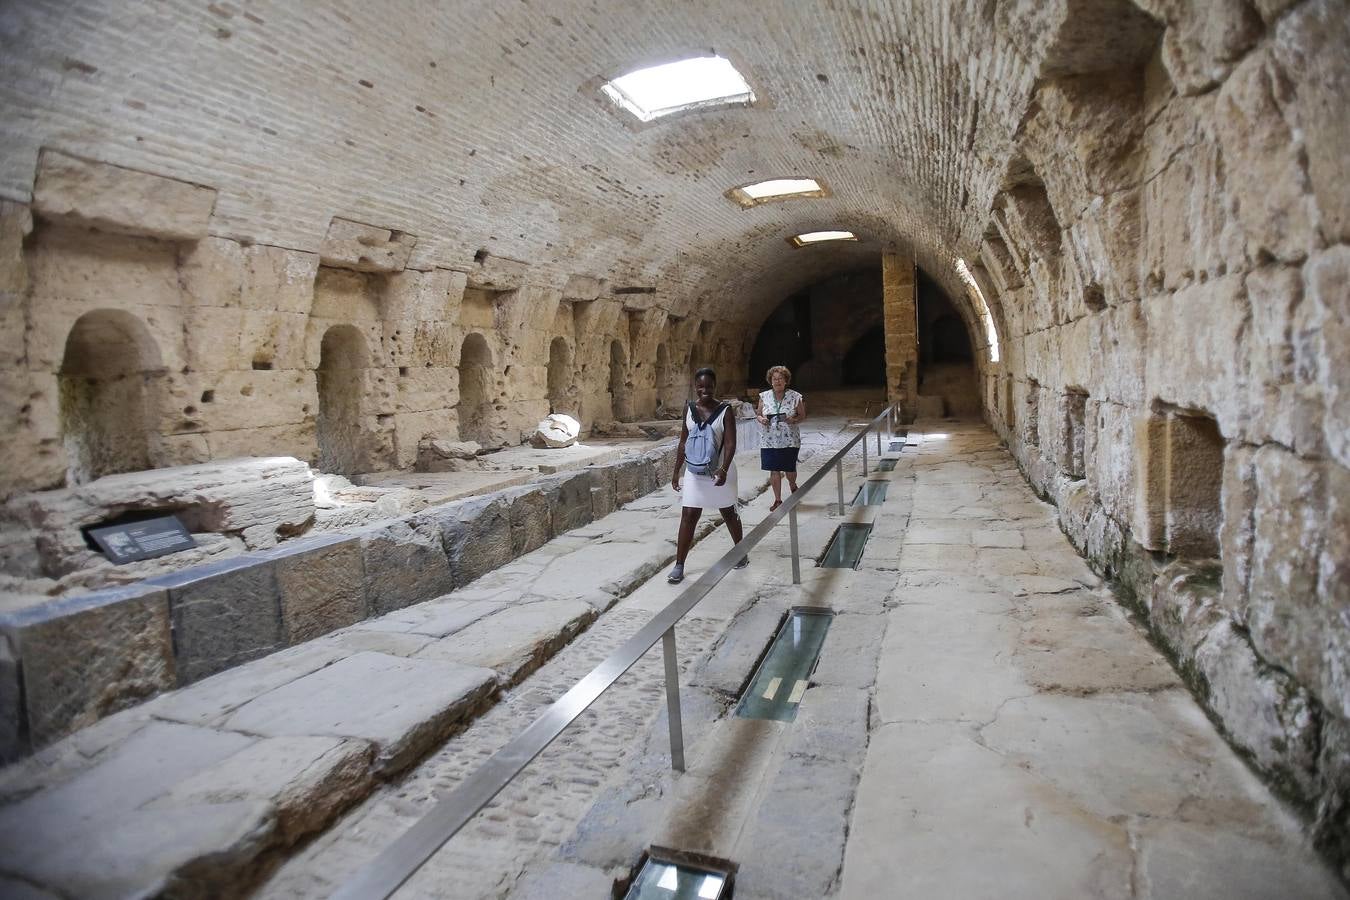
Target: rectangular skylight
<point>816,237</point>
<point>777,189</point>
<point>673,87</point>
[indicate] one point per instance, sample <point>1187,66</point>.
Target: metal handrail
<point>396,863</point>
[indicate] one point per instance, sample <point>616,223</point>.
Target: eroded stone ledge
<point>68,663</point>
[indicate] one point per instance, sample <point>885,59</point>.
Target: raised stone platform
<point>68,662</point>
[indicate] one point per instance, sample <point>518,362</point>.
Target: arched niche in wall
<point>662,377</point>
<point>475,390</point>
<point>561,393</point>
<point>109,378</point>
<point>343,360</point>
<point>620,398</point>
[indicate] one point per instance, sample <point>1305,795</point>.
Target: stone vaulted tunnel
<point>307,277</point>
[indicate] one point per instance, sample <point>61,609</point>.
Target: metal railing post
<point>864,446</point>
<point>878,443</point>
<point>796,563</point>
<point>673,701</point>
<point>839,481</point>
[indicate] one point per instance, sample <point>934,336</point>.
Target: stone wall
<point>1167,265</point>
<point>140,341</point>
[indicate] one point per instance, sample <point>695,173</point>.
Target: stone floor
<point>984,721</point>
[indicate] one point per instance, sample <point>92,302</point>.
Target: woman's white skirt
<point>702,492</point>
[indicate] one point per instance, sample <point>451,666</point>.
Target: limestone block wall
<point>138,340</point>
<point>1167,267</point>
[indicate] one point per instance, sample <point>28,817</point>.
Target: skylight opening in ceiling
<point>777,189</point>
<point>701,82</point>
<point>981,308</point>
<point>819,237</point>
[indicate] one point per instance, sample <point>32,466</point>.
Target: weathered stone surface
<point>85,657</point>
<point>516,640</point>
<point>223,614</point>
<point>110,198</point>
<point>531,519</point>
<point>256,499</point>
<point>321,581</point>
<point>569,498</point>
<point>349,699</point>
<point>305,780</point>
<point>405,563</point>
<point>364,248</point>
<point>476,534</point>
<point>558,430</point>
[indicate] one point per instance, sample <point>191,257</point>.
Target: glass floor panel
<point>661,880</point>
<point>897,446</point>
<point>886,465</point>
<point>846,547</point>
<point>872,493</point>
<point>778,685</point>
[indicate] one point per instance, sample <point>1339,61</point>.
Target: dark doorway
<point>865,362</point>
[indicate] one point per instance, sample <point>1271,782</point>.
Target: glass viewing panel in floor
<point>886,465</point>
<point>660,880</point>
<point>782,678</point>
<point>846,547</point>
<point>897,446</point>
<point>872,493</point>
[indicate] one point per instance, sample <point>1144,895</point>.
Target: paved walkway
<point>1027,740</point>
<point>984,721</point>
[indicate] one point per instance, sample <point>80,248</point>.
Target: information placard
<point>145,539</point>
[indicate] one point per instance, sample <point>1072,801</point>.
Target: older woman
<point>780,411</point>
<point>711,479</point>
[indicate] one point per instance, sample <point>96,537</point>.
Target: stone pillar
<point>899,301</point>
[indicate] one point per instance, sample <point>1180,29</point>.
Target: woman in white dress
<point>780,411</point>
<point>717,486</point>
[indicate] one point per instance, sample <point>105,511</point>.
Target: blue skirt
<point>778,459</point>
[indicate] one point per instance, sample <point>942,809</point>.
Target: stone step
<point>199,790</point>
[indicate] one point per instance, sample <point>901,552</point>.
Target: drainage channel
<point>872,493</point>
<point>781,679</point>
<point>846,547</point>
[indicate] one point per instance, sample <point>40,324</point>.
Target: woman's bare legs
<point>792,481</point>
<point>733,520</point>
<point>776,481</point>
<point>688,521</point>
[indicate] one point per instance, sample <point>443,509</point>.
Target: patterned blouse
<point>778,433</point>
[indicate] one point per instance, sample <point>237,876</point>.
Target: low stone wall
<point>66,664</point>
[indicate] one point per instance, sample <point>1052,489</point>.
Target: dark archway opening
<point>343,360</point>
<point>621,404</point>
<point>475,390</point>
<point>561,397</point>
<point>107,382</point>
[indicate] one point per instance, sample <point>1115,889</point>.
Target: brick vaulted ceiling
<point>478,125</point>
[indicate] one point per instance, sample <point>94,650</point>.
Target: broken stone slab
<point>404,563</point>
<point>438,455</point>
<point>556,431</point>
<point>256,498</point>
<point>517,640</point>
<point>321,583</point>
<point>365,248</point>
<point>85,657</point>
<point>89,194</point>
<point>224,614</point>
<point>351,698</point>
